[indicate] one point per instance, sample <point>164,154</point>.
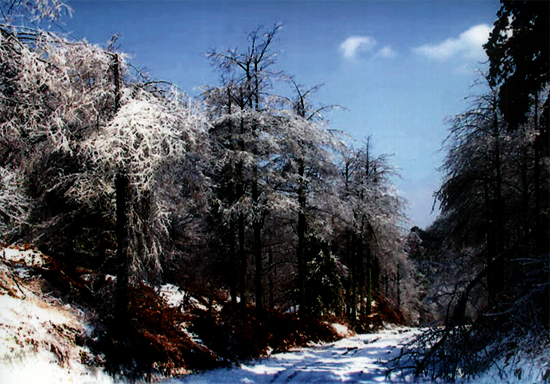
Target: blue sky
<point>399,67</point>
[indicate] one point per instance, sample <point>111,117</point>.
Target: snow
<point>37,345</point>
<point>39,370</point>
<point>37,333</point>
<point>342,330</point>
<point>29,257</point>
<point>521,368</point>
<point>173,295</point>
<point>358,359</point>
<point>176,297</point>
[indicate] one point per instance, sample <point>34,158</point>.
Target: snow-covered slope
<point>521,368</point>
<point>39,336</point>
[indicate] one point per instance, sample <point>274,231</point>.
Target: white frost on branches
<point>145,134</point>
<point>145,140</point>
<point>55,91</point>
<point>14,205</point>
<point>70,124</point>
<point>34,10</point>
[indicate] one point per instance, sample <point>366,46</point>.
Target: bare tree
<point>372,215</point>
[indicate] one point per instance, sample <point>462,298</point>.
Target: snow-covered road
<point>359,359</point>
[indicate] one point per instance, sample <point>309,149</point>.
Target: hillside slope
<point>54,328</point>
<point>41,340</point>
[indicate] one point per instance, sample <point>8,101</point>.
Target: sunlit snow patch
<point>37,333</point>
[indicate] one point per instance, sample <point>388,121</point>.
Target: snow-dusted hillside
<point>39,337</point>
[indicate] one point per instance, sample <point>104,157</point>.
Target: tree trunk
<point>233,281</point>
<point>259,275</point>
<point>122,300</point>
<point>368,309</point>
<point>258,259</point>
<point>361,274</point>
<point>116,72</point>
<point>271,278</point>
<point>353,273</point>
<point>243,262</point>
<point>541,234</point>
<point>398,281</point>
<point>348,261</point>
<point>491,249</point>
<point>234,271</point>
<point>122,187</point>
<point>498,213</point>
<point>300,252</point>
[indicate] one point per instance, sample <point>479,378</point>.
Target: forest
<point>271,222</point>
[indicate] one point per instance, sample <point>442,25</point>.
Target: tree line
<point>241,193</point>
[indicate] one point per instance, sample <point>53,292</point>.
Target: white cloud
<point>468,45</point>
<point>351,47</point>
<point>386,53</point>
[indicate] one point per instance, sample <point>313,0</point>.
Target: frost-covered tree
<point>440,269</point>
<point>14,204</point>
<point>488,191</point>
<point>54,93</point>
<point>242,141</point>
<point>135,151</point>
<point>372,236</point>
<point>272,164</point>
<point>72,123</point>
<point>488,199</point>
<point>33,10</point>
<point>473,191</point>
<point>305,175</point>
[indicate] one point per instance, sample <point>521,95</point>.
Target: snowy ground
<point>38,345</point>
<point>358,359</point>
<point>37,333</point>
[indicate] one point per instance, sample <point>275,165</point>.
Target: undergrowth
<point>160,340</point>
<point>154,342</point>
<point>237,334</point>
<point>382,314</point>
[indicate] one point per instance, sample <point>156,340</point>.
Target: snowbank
<point>38,369</point>
<point>39,336</point>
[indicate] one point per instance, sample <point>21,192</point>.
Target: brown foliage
<point>154,342</point>
<point>161,326</point>
<point>236,335</point>
<point>383,312</point>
